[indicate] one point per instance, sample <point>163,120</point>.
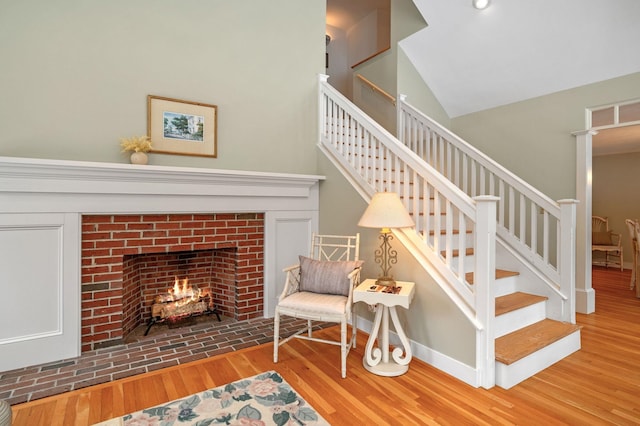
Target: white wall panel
<point>40,320</point>
<point>291,237</point>
<point>33,294</point>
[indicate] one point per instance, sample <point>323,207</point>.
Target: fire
<point>181,293</point>
<point>185,294</point>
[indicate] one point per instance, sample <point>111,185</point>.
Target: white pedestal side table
<point>376,360</point>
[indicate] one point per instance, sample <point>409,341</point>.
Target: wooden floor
<point>600,384</point>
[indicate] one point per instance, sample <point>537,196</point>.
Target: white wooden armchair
<point>320,288</point>
<point>606,246</point>
<point>634,233</point>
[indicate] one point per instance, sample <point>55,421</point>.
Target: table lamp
<point>385,212</point>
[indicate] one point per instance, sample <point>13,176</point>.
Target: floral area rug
<point>265,399</point>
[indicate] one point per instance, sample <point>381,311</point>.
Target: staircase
<point>503,252</point>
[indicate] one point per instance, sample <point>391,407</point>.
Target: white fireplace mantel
<point>41,205</point>
<point>37,185</point>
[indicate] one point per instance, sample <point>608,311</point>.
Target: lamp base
<point>386,281</point>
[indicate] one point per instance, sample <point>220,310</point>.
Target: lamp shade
<point>386,211</point>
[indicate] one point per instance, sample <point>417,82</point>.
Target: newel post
<point>567,264</point>
<point>322,113</point>
<point>484,277</point>
<point>400,125</point>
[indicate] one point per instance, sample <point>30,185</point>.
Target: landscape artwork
<point>182,127</point>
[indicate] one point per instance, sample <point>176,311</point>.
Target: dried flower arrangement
<point>136,144</point>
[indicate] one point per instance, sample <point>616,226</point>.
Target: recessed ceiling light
<point>481,4</point>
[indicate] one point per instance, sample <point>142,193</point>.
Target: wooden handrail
<point>354,66</point>
<point>377,89</point>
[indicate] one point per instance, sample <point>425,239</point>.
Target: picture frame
<point>182,127</point>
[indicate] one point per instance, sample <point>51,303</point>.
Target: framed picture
<point>182,127</point>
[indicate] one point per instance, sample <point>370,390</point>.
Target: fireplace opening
<point>174,287</point>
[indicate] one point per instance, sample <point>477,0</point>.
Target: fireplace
<point>127,260</point>
<point>67,228</point>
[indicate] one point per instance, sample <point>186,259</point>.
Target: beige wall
<point>75,76</point>
<point>616,194</point>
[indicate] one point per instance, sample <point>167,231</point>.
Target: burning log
<point>172,309</point>
<point>180,302</point>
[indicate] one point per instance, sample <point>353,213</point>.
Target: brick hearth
<point>161,349</point>
<point>107,240</point>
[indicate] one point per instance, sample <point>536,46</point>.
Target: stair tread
<point>517,345</point>
<point>517,300</point>
<point>500,273</point>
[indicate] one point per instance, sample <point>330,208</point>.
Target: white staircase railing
<point>447,220</point>
<point>537,229</point>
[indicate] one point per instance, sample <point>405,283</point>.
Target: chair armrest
<point>291,268</point>
<point>354,281</point>
<point>292,283</point>
<point>355,274</point>
<point>616,239</point>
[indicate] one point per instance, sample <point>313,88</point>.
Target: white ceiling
<point>514,50</point>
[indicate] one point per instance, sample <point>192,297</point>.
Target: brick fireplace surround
<point>113,306</point>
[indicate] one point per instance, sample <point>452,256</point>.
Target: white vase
<point>139,158</point>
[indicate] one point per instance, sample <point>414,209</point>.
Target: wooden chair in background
<point>634,233</point>
<point>606,245</point>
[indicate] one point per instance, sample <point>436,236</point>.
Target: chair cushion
<point>601,238</point>
<point>314,304</point>
<point>326,277</point>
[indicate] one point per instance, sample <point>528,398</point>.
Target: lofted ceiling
<point>515,50</point>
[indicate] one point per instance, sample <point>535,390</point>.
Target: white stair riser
<point>520,318</point>
<point>506,285</point>
<point>510,375</point>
